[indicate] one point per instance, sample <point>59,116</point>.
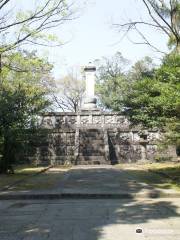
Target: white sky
<point>92,36</point>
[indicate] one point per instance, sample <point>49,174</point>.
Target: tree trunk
<point>6,158</point>
<point>178,48</point>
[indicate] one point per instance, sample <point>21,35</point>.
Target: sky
<point>92,36</point>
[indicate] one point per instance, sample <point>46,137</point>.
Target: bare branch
<point>133,23</point>
<point>51,15</point>
<point>69,91</point>
<point>162,18</point>
<point>34,16</point>
<point>146,42</point>
<point>4,3</point>
<point>154,19</point>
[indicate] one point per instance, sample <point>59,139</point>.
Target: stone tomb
<point>94,138</point>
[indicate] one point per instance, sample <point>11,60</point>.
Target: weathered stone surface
<point>94,137</point>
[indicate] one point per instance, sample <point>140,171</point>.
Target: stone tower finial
<point>90,100</point>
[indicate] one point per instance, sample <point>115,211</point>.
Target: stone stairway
<point>92,147</point>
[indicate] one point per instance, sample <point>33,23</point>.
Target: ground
<point>98,203</point>
<point>90,219</point>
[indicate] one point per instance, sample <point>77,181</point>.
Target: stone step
<point>91,153</point>
<point>91,133</point>
<point>91,145</point>
<point>91,150</point>
<point>91,130</point>
<point>82,162</point>
<point>90,160</point>
<point>91,138</point>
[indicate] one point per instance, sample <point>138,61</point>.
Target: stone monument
<point>91,136</point>
<point>89,103</point>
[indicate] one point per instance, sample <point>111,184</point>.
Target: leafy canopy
<point>23,95</point>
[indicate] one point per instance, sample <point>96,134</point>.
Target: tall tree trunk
<point>6,158</point>
<point>178,48</point>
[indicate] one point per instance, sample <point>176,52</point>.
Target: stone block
<point>60,150</point>
<point>94,134</point>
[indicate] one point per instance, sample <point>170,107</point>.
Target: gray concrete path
<point>90,219</point>
<point>100,180</point>
<point>107,179</point>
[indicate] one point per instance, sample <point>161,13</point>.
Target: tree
<point>142,68</point>
<point>69,92</point>
<point>111,81</point>
<point>24,78</point>
<point>22,96</point>
<point>114,83</point>
<point>155,101</point>
<point>18,27</point>
<point>148,94</point>
<point>164,16</point>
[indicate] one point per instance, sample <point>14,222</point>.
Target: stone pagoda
<point>91,136</point>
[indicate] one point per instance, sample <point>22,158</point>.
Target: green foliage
<point>174,39</point>
<point>155,100</point>
<point>23,95</point>
<point>111,92</point>
<point>149,96</point>
<point>33,26</point>
<point>112,82</point>
<point>166,16</point>
<point>142,68</point>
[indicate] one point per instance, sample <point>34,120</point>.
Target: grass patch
<point>44,181</point>
<point>26,178</point>
<point>21,172</point>
<point>162,175</point>
<point>170,172</point>
<point>26,169</point>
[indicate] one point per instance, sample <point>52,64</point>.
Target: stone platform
<point>93,138</point>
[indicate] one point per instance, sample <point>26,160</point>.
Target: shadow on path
<point>91,219</point>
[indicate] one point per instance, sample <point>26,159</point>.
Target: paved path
<point>92,219</point>
<point>97,180</point>
<point>107,179</point>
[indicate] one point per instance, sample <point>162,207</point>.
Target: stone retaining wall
<point>95,138</point>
